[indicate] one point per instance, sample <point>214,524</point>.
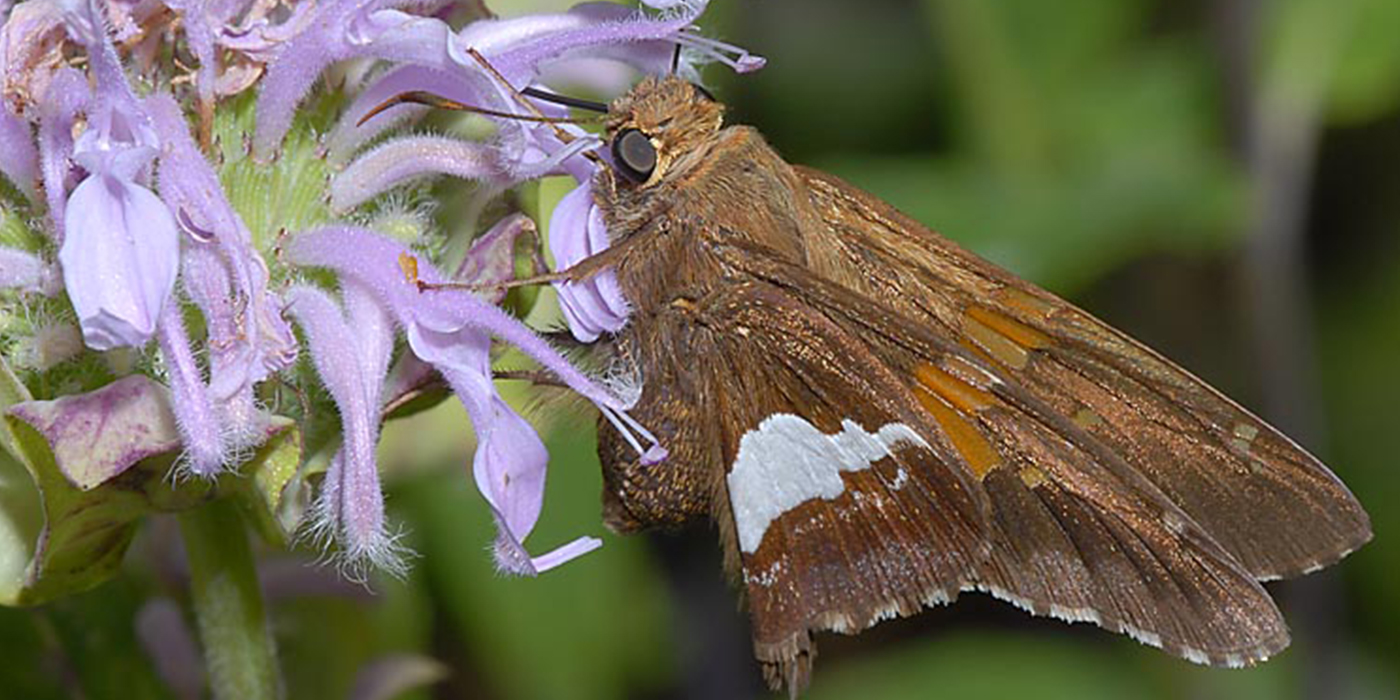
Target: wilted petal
<point>120,256</point>
<point>126,16</point>
<point>404,159</point>
<point>96,436</point>
<point>492,255</point>
<point>577,232</point>
<point>204,21</point>
<point>259,38</point>
<point>33,40</point>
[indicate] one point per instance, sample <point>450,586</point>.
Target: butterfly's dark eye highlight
<point>634,155</point>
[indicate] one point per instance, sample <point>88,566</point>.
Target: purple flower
<point>577,231</point>
<point>451,330</point>
<point>226,278</point>
<point>66,96</point>
<point>121,251</point>
<point>524,51</point>
<point>119,245</point>
<point>135,204</point>
<point>351,350</point>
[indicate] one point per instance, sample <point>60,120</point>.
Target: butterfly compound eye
<point>634,155</point>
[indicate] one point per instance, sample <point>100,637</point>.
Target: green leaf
<point>21,509</point>
<point>87,505</point>
<point>95,436</point>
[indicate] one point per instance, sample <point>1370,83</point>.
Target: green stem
<point>233,627</point>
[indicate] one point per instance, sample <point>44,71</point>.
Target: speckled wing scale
<point>878,420</point>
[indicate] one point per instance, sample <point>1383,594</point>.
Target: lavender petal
<point>373,260</point>
<point>66,97</point>
<point>19,160</point>
<point>577,232</point>
<point>205,448</point>
<point>353,505</point>
<point>120,255</point>
<point>27,272</point>
<point>404,159</point>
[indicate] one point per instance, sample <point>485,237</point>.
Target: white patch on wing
<point>787,461</point>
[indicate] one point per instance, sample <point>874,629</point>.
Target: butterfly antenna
<point>563,136</point>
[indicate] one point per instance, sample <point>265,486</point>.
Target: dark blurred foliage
<point>1220,179</point>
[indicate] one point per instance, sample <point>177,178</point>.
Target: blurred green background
<point>1220,179</point>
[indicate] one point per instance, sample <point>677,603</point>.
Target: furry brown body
<point>1063,466</point>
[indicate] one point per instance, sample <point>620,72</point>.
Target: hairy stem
<point>233,627</point>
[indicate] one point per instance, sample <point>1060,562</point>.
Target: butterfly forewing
<point>1277,509</point>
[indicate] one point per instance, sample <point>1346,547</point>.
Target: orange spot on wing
<point>1008,341</point>
<point>1025,302</point>
<point>963,396</point>
<point>970,443</point>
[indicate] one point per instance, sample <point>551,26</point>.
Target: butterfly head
<point>658,122</point>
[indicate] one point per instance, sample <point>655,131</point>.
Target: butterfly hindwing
<point>846,508</point>
<point>1075,531</point>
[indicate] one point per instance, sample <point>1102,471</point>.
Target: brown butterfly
<point>879,420</point>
